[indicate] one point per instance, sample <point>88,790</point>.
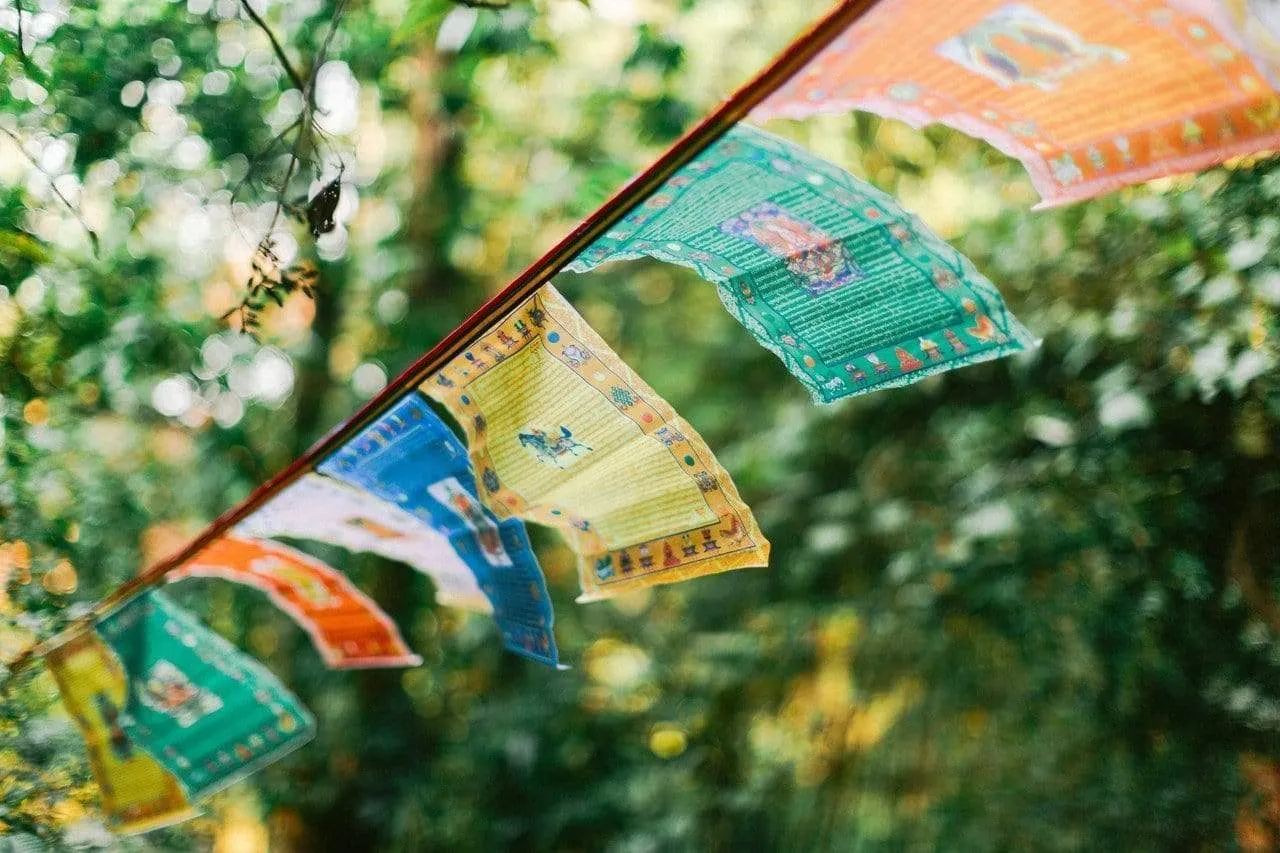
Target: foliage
<point>1030,605</point>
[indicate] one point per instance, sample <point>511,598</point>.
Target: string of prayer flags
<point>830,274</point>
<point>325,510</point>
<point>206,712</point>
<point>567,435</point>
<point>1255,25</point>
<point>1091,95</point>
<point>137,794</point>
<point>348,629</point>
<point>411,459</point>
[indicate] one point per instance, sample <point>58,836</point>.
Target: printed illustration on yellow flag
<point>561,432</point>
<point>137,793</point>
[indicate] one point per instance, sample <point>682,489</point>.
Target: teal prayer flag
<point>207,712</point>
<point>852,292</point>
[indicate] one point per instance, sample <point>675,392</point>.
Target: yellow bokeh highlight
<point>824,716</point>
<point>61,579</point>
<point>36,412</point>
<point>667,741</point>
<point>240,831</point>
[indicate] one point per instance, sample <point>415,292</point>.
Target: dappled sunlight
<point>1033,604</point>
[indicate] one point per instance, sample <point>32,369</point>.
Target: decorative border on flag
<point>732,541</point>
<point>1062,174</point>
<point>232,663</point>
<point>132,820</point>
<point>202,566</point>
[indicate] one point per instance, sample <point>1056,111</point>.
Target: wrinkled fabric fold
<point>209,714</point>
<point>347,628</point>
<point>410,459</point>
<point>323,509</point>
<point>850,291</point>
<point>1090,95</point>
<point>565,434</point>
<point>137,793</point>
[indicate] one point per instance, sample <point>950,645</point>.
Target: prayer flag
<point>1254,24</point>
<point>849,290</point>
<point>564,434</point>
<point>348,629</point>
<point>325,510</point>
<point>1091,95</point>
<point>136,792</point>
<point>410,458</point>
<point>208,713</point>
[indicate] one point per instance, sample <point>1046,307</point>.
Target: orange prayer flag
<point>349,630</point>
<point>1255,25</point>
<point>1091,95</point>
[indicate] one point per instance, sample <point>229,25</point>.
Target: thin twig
<point>275,45</point>
<point>262,155</point>
<point>22,51</point>
<point>253,164</point>
<point>622,203</point>
<point>307,132</point>
<point>339,10</point>
<point>53,185</point>
<point>295,158</point>
<point>308,113</point>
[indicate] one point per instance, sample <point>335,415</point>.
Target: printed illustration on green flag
<point>207,712</point>
<point>849,290</point>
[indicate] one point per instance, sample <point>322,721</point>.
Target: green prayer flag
<point>208,713</point>
<point>848,289</point>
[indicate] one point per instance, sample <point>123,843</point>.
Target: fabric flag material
<point>323,509</point>
<point>410,458</point>
<point>348,629</point>
<point>1091,95</point>
<point>207,712</point>
<point>137,793</point>
<point>567,435</point>
<point>1255,25</point>
<point>849,290</point>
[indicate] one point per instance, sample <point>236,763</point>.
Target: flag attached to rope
<point>137,794</point>
<point>207,712</point>
<point>411,459</point>
<point>1091,95</point>
<point>348,629</point>
<point>830,274</point>
<point>564,434</point>
<point>325,510</point>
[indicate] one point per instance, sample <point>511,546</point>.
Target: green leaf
<point>17,246</point>
<point>422,17</point>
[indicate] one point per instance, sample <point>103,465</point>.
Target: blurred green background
<point>1030,605</point>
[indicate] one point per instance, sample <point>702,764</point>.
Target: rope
<point>682,152</point>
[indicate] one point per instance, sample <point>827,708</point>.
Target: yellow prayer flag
<point>137,793</point>
<point>563,433</point>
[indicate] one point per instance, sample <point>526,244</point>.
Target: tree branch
<point>53,185</point>
<point>1257,598</point>
<point>298,82</point>
<point>22,51</point>
<point>269,280</point>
